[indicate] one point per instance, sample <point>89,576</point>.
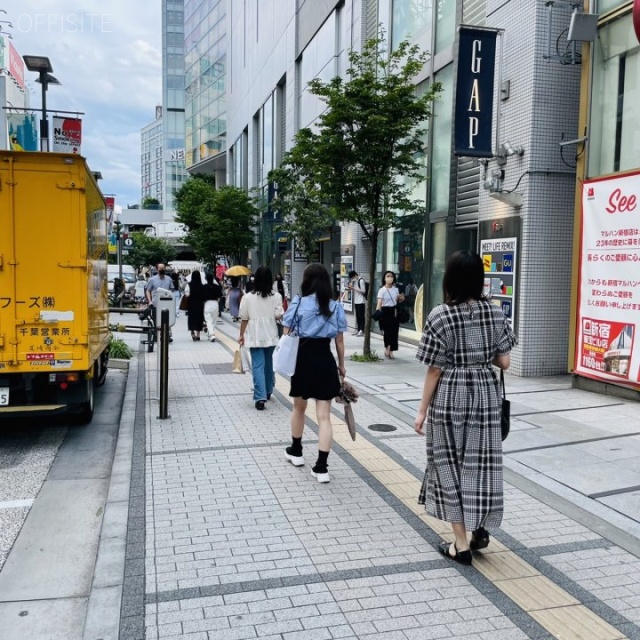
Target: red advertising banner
<point>16,66</point>
<point>609,281</point>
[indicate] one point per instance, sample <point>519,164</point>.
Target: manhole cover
<point>382,427</point>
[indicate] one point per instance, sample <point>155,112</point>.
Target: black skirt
<point>316,374</point>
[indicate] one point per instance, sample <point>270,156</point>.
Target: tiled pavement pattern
<point>240,544</point>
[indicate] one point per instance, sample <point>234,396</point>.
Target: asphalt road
<point>54,479</point>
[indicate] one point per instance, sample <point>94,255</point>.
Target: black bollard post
<point>164,365</point>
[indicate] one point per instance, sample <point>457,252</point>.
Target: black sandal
<point>479,539</point>
<point>463,557</point>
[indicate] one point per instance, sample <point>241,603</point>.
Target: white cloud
<point>108,58</point>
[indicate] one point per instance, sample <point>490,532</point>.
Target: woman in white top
<point>259,311</point>
<point>388,299</point>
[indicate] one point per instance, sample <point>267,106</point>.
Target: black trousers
<point>390,327</point>
<point>360,316</point>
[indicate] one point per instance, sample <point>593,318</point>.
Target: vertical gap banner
<point>474,92</point>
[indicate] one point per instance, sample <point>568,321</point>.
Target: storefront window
<point>412,18</point>
<point>605,6</point>
<point>615,108</point>
<point>445,24</point>
<point>441,152</point>
<point>438,258</point>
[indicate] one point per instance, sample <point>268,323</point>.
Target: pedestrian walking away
<point>460,409</point>
<point>358,287</point>
<point>388,299</point>
<point>195,304</point>
<point>317,319</point>
<point>212,295</point>
<point>280,286</point>
<point>234,296</point>
<point>175,278</point>
<point>259,311</point>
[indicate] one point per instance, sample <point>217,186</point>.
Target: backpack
<point>366,287</point>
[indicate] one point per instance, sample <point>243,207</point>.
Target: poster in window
<point>499,260</point>
<point>346,295</point>
<point>609,281</point>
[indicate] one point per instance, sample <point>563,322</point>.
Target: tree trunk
<point>366,347</point>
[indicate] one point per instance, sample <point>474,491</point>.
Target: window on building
<point>441,151</point>
<point>267,137</point>
<point>412,18</point>
<point>614,137</point>
<point>445,24</point>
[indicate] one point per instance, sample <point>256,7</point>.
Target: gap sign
<point>474,92</point>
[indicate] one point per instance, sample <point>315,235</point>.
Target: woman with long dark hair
<point>317,319</point>
<point>388,298</point>
<point>195,305</point>
<point>259,311</point>
<point>461,407</point>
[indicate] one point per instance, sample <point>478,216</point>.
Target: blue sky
<point>107,55</point>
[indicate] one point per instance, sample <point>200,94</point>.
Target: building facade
<point>516,207</point>
<point>205,47</point>
<point>151,159</point>
<point>606,260</point>
<point>173,101</point>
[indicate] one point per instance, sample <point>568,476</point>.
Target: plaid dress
<point>463,479</point>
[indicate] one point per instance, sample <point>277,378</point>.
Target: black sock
<point>321,464</point>
<point>296,446</point>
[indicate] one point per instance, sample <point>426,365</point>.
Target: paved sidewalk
<point>228,540</point>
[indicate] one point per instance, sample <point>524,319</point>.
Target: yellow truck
<point>54,313</point>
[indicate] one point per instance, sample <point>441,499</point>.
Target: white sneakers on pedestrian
<point>321,477</point>
<point>296,461</point>
<point>360,334</point>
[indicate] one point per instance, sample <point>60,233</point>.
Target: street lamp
<point>42,65</point>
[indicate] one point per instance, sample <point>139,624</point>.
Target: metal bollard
<point>164,365</point>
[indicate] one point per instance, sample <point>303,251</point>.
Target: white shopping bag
<point>286,355</point>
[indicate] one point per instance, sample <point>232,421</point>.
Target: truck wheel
<point>103,365</point>
<point>85,414</point>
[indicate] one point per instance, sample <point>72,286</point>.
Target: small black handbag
<point>505,422</point>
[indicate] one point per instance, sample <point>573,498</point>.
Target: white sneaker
<point>296,461</point>
<point>360,334</point>
<point>212,339</point>
<point>321,477</point>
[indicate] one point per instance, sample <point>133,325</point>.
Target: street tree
<point>148,250</point>
<point>299,203</point>
<point>219,222</point>
<point>191,197</point>
<point>364,152</point>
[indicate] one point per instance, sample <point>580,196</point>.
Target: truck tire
<point>103,368</point>
<point>85,415</point>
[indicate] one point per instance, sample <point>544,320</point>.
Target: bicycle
<point>148,314</point>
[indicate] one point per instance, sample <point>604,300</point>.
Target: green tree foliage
<point>298,201</point>
<point>219,222</point>
<point>148,251</point>
<point>151,203</point>
<point>363,155</point>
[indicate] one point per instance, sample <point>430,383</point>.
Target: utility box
<point>165,300</point>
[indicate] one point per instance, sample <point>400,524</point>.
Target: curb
<point>103,608</point>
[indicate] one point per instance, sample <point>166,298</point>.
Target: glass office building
<point>205,44</point>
